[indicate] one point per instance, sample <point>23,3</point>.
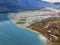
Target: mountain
<point>57,3</point>
<point>20,5</point>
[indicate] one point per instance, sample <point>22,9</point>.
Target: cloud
<point>52,1</point>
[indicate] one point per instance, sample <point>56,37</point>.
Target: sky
<point>52,1</point>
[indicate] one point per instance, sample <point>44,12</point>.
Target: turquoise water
<point>10,34</point>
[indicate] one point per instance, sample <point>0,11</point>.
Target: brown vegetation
<point>50,28</point>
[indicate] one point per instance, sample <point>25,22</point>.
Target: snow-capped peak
<point>52,1</point>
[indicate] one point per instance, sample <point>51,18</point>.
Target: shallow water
<point>10,34</point>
